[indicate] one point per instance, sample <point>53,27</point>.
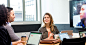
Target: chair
<point>74,41</point>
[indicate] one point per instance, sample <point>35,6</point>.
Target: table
<point>49,44</point>
<point>75,35</point>
<point>54,44</point>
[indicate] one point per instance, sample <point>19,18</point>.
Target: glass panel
<point>18,10</point>
<point>4,2</point>
<point>30,10</point>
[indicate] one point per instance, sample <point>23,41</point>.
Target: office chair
<point>74,41</point>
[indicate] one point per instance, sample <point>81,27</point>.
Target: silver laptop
<point>69,32</point>
<point>34,38</point>
<point>63,35</point>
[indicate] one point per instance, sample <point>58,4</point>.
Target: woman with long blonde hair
<point>49,29</point>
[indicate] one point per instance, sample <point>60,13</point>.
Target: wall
<point>59,9</point>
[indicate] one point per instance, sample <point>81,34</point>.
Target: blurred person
<point>83,34</point>
<point>14,38</point>
<point>82,15</point>
<point>49,29</point>
<point>4,35</point>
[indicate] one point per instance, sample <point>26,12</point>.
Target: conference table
<point>49,44</point>
<point>75,35</point>
<point>52,44</point>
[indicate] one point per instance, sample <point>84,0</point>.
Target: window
<point>30,10</point>
<point>4,2</point>
<point>26,11</point>
<point>18,10</point>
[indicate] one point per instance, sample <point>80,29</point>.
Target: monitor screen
<point>34,38</point>
<point>79,13</point>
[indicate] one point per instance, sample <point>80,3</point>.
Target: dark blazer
<point>4,36</point>
<point>45,32</point>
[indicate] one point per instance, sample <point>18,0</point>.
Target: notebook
<point>63,35</point>
<point>82,34</point>
<point>34,38</point>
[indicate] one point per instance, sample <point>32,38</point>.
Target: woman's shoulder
<point>55,26</point>
<point>42,29</point>
<point>3,30</point>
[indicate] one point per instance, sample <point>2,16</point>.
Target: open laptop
<point>82,34</point>
<point>63,35</point>
<point>34,38</point>
<point>69,32</point>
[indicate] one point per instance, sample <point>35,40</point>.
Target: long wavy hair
<point>51,25</point>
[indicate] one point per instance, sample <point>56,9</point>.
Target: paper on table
<point>75,35</point>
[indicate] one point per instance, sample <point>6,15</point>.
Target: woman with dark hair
<point>49,29</point>
<point>4,35</point>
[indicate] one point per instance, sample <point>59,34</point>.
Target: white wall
<point>59,9</point>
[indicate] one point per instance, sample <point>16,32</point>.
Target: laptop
<point>34,38</point>
<point>69,32</point>
<point>82,34</point>
<point>63,35</point>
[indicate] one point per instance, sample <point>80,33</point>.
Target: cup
<point>56,36</point>
<point>23,38</point>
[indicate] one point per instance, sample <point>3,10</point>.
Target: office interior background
<point>29,14</point>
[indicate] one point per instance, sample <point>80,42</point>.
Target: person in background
<point>4,35</point>
<point>82,15</point>
<point>49,29</point>
<point>84,34</point>
<point>14,38</point>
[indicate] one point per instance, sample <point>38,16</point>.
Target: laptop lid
<point>63,35</point>
<point>67,31</point>
<point>34,38</point>
<point>82,34</point>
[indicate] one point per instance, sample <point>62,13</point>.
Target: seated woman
<point>49,29</point>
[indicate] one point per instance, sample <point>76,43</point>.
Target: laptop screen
<point>34,38</point>
<point>63,35</point>
<point>82,34</point>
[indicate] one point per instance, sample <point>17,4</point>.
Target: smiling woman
<point>49,29</point>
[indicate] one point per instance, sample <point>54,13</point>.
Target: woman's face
<point>83,12</point>
<point>46,19</point>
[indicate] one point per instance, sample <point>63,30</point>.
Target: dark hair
<point>9,9</point>
<point>82,20</point>
<point>3,15</point>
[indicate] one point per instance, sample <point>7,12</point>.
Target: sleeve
<point>13,36</point>
<point>56,30</point>
<point>4,37</point>
<point>39,30</point>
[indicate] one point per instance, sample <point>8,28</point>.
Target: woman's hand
<point>51,35</point>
